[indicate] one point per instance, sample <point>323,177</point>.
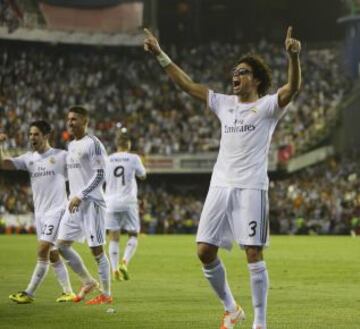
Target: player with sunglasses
<point>236,207</point>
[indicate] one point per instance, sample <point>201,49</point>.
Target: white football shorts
<point>234,214</point>
<point>47,226</point>
<point>126,219</point>
<point>87,223</point>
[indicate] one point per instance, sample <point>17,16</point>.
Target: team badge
<point>254,109</point>
<point>52,160</point>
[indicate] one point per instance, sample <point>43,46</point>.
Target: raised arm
<point>5,163</point>
<point>293,48</point>
<point>180,78</point>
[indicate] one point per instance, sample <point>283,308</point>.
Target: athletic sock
<point>62,276</point>
<point>114,252</point>
<point>130,249</point>
<point>75,262</point>
<point>38,276</point>
<point>259,280</point>
<point>104,272</point>
<point>216,274</point>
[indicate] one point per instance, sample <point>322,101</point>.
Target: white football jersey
<point>86,168</point>
<point>48,179</point>
<point>121,186</point>
<point>246,131</point>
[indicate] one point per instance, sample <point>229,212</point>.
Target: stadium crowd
<point>322,199</point>
<point>124,85</point>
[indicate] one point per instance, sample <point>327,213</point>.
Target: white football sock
<point>104,272</point>
<point>130,249</point>
<point>38,276</point>
<point>75,262</point>
<point>259,280</point>
<point>216,274</point>
<point>62,276</point>
<point>114,252</point>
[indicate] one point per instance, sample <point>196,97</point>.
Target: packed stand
<point>126,85</point>
<point>323,199</point>
<point>16,208</point>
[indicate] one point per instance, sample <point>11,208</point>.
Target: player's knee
<point>114,235</point>
<point>206,253</point>
<point>43,251</point>
<point>133,235</point>
<point>97,251</point>
<point>54,256</point>
<point>254,254</point>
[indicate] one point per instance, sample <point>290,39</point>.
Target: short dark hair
<point>42,125</point>
<point>79,109</point>
<point>261,71</point>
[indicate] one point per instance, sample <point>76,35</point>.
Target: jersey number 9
<point>120,172</point>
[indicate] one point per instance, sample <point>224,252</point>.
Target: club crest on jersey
<point>52,160</point>
<point>254,109</point>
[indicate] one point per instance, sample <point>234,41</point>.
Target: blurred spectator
<point>10,15</point>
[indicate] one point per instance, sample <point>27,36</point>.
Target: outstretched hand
<point>292,46</point>
<point>151,44</point>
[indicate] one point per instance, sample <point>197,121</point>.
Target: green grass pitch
<point>315,283</point>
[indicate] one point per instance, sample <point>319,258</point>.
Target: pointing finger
<point>148,33</point>
<point>289,32</point>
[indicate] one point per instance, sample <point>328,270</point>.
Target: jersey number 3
<point>47,229</point>
<point>120,173</point>
<point>252,225</point>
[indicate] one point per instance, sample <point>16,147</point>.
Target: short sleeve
<point>217,102</point>
<point>140,170</point>
<point>20,162</point>
<point>274,109</point>
<point>213,101</point>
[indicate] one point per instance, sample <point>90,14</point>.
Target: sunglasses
<point>241,72</point>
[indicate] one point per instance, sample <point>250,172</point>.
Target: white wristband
<point>163,59</point>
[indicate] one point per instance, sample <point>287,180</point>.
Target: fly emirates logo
<point>238,126</point>
<point>41,172</point>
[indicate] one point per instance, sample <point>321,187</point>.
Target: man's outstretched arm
<point>293,48</point>
<point>5,163</point>
<point>180,78</point>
